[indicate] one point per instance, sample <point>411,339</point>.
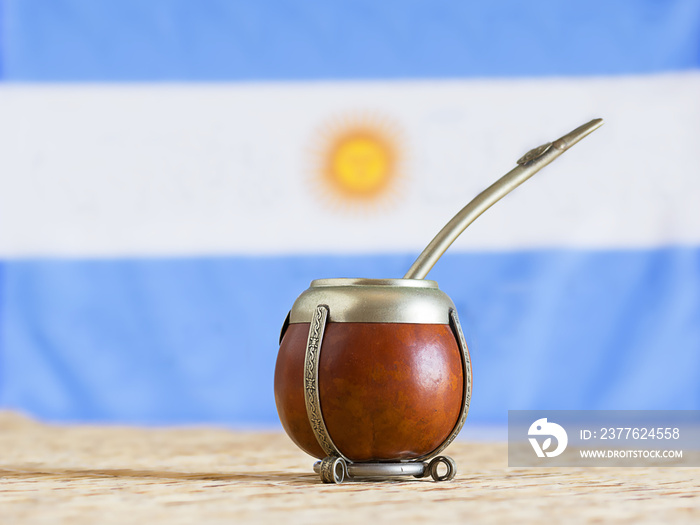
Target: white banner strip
<point>163,169</point>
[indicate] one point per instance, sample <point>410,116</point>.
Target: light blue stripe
<point>3,34</point>
<point>195,340</point>
<point>222,40</point>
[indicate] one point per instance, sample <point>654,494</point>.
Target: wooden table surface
<point>104,474</point>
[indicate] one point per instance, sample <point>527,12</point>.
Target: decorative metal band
<point>534,153</point>
<point>311,393</point>
<point>467,375</point>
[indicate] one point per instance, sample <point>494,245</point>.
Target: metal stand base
<point>333,469</point>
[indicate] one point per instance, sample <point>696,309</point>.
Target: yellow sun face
<point>358,161</point>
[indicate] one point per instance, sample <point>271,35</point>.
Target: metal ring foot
<point>333,469</point>
<point>434,466</point>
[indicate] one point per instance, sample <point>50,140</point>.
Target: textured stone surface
<point>86,475</point>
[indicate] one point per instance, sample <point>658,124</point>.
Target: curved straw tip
<point>595,124</point>
<point>574,136</point>
<point>528,165</point>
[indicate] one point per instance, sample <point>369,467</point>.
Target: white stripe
<point>101,170</point>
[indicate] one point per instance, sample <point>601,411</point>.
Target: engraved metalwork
<point>311,393</point>
<point>534,153</point>
<point>492,195</point>
<point>332,469</point>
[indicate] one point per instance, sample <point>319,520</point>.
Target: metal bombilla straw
<point>529,164</point>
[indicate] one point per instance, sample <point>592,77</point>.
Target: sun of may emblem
<point>358,161</point>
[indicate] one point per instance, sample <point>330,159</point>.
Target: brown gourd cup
<point>373,376</point>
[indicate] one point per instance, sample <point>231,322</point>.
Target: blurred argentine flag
<point>174,173</point>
